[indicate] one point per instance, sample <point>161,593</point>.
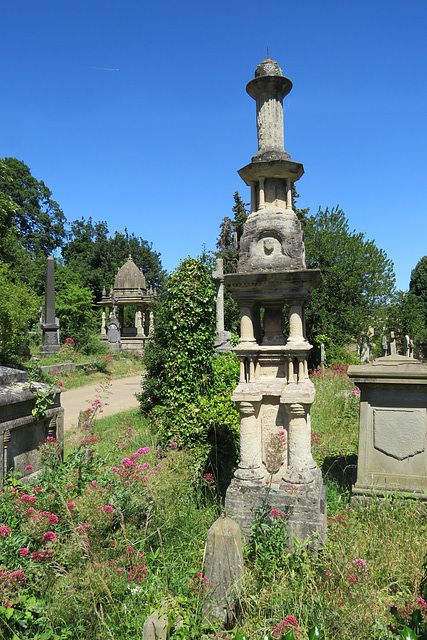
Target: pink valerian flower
<point>27,498</point>
<point>49,536</point>
<point>275,512</point>
<point>108,508</point>
<point>199,583</point>
<point>29,467</point>
<point>352,578</point>
<point>287,624</point>
<point>173,445</point>
<point>23,552</point>
<point>42,556</point>
<point>137,573</point>
<point>50,439</point>
<point>5,531</point>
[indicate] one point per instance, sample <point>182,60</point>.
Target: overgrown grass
<point>131,528</point>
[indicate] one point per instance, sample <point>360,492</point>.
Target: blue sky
<point>136,113</point>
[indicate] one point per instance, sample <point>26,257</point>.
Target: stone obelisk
<point>274,394</point>
<point>50,326</point>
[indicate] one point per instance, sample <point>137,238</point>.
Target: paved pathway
<point>120,396</point>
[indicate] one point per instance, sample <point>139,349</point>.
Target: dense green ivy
<point>186,392</point>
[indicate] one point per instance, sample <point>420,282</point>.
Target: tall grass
<point>130,528</point>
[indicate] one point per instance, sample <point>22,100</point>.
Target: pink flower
<point>108,508</point>
<point>275,512</point>
<point>23,552</point>
<point>5,531</point>
<point>61,384</point>
<point>352,578</point>
<point>29,467</point>
<point>328,575</point>
<point>27,498</point>
<point>49,536</point>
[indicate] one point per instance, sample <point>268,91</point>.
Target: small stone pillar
<point>138,322</point>
<point>50,327</point>
<point>393,349</point>
<point>103,325</point>
<point>222,337</point>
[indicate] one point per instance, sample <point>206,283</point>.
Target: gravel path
<point>120,396</point>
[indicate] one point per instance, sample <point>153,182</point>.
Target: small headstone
<point>364,354</point>
<point>384,346</point>
<point>223,569</point>
<point>156,625</point>
<point>409,347</point>
<point>392,344</point>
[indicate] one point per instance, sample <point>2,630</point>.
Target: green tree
<point>406,316</point>
<point>96,256</point>
<point>74,308</point>
<point>37,220</point>
<point>358,279</point>
<point>18,310</point>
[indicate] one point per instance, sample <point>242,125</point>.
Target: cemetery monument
<point>274,394</point>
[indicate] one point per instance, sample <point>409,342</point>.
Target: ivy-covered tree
<point>179,361</point>
<point>187,388</point>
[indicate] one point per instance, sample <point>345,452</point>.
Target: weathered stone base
<point>305,505</point>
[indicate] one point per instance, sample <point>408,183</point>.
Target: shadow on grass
<point>340,471</point>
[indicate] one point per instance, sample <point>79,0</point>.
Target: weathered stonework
<point>20,432</point>
<point>393,427</point>
<point>129,289</point>
<point>274,393</point>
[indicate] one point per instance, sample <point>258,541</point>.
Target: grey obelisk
<point>50,327</point>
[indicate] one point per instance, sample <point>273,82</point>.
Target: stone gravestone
<point>275,392</point>
<point>113,327</point>
<point>222,337</point>
<point>393,349</point>
<point>224,569</point>
<point>50,327</point>
<point>384,346</point>
<point>393,426</point>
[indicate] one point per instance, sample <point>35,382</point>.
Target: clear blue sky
<point>136,113</point>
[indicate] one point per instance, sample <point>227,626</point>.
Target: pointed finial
<point>268,54</point>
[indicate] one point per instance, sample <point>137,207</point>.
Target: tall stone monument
<point>275,393</point>
<point>50,326</point>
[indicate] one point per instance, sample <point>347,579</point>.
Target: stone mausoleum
<point>130,290</point>
<point>275,393</point>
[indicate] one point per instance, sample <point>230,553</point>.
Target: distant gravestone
<point>392,344</point>
<point>222,337</point>
<point>384,346</point>
<point>224,569</point>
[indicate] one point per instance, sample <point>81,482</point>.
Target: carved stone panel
<point>400,433</point>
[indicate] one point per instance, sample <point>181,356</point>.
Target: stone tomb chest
<point>393,426</point>
<point>21,433</point>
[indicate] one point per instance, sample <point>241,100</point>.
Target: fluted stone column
<point>250,450</point>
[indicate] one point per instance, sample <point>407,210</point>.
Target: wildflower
<point>49,536</point>
<point>41,556</point>
<point>352,578</point>
<point>29,467</point>
<point>328,575</point>
<point>285,626</point>
<point>275,512</point>
<point>5,531</point>
<point>61,384</point>
<point>108,508</point>
<point>27,498</point>
<point>23,552</point>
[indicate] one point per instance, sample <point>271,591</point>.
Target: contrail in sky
<point>102,69</point>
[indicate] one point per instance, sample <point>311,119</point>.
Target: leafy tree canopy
<point>28,210</point>
<point>96,256</point>
<point>18,310</point>
<point>358,279</point>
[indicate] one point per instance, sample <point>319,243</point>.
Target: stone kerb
<point>392,427</point>
<point>21,433</point>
